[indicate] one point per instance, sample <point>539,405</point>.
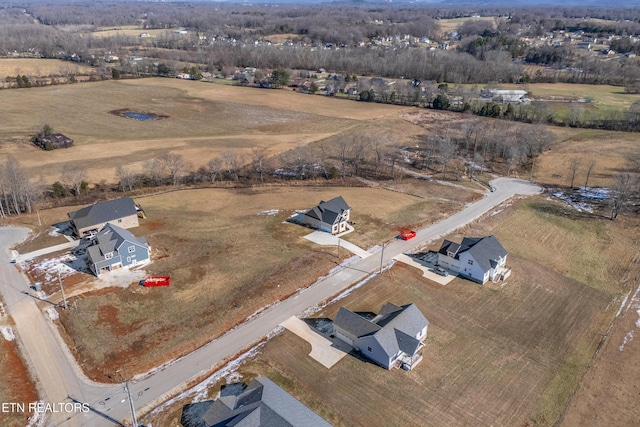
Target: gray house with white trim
<point>89,220</point>
<point>262,403</point>
<point>393,338</point>
<point>476,258</point>
<point>331,216</point>
<point>115,247</point>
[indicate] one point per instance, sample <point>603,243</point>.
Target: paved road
<point>49,250</point>
<point>154,389</point>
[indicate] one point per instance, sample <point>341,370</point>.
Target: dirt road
<point>57,375</point>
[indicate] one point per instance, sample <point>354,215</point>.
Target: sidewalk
<point>327,239</point>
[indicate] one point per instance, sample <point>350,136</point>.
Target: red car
<point>409,234</point>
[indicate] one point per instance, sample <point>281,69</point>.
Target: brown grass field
<point>15,385</point>
<point>204,120</point>
<point>40,67</point>
<point>225,255</point>
<point>505,354</point>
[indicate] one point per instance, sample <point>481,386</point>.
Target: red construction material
<point>157,281</point>
<point>409,234</point>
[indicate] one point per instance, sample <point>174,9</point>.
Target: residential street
<point>59,377</point>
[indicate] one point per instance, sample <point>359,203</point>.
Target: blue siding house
<point>115,247</point>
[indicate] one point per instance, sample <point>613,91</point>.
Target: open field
<point>505,354</point>
<point>602,96</point>
<point>15,385</point>
<point>229,254</point>
<point>34,67</point>
<point>130,30</point>
<point>204,120</point>
<point>610,150</point>
<point>448,25</point>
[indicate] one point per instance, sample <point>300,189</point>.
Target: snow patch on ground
<point>627,338</point>
<point>65,265</point>
<point>7,333</point>
<point>496,212</point>
<point>634,304</point>
<point>52,313</point>
<point>270,212</point>
<point>228,371</point>
<point>38,418</point>
<point>583,199</point>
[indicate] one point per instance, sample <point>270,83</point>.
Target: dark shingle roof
<point>328,211</point>
<point>261,404</point>
<point>394,328</point>
<point>109,239</point>
<point>355,324</point>
<point>484,250</point>
<point>102,212</point>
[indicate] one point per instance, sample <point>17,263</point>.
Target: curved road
<point>60,378</point>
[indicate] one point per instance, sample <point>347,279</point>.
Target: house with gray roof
<point>393,338</point>
<point>331,216</point>
<point>262,403</point>
<point>89,220</point>
<point>114,247</point>
<point>477,258</point>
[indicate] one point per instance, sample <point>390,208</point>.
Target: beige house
<point>89,220</point>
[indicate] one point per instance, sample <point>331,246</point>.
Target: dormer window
<point>451,254</point>
<point>108,255</point>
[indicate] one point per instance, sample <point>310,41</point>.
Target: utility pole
<point>133,410</point>
<point>64,299</point>
<point>381,257</point>
<point>39,222</point>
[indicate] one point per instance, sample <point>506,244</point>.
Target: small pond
<point>138,116</point>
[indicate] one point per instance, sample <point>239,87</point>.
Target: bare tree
<point>74,175</point>
<point>574,165</point>
<point>231,163</point>
<point>357,153</point>
<point>214,167</point>
<point>447,148</point>
<point>18,190</point>
<point>176,165</point>
<point>590,167</point>
<point>127,178</point>
<point>622,191</point>
<point>343,154</point>
<point>260,161</point>
<point>156,171</point>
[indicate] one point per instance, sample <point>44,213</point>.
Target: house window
<point>132,249</point>
<point>470,262</point>
<point>119,220</point>
<point>108,255</point>
<point>128,259</point>
<point>369,349</point>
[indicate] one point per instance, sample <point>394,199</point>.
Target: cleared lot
<point>504,354</point>
<point>229,254</point>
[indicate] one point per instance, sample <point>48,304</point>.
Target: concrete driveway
<point>323,350</point>
<point>427,270</point>
<point>327,239</point>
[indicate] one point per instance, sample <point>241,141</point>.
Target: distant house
<point>260,404</point>
<point>51,142</point>
<point>115,247</point>
<point>519,96</point>
<point>393,338</point>
<point>122,212</point>
<point>331,216</point>
<point>476,258</point>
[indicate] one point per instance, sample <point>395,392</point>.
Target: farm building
<point>504,96</point>
<point>115,247</point>
<point>476,258</point>
<point>331,216</point>
<point>122,212</point>
<point>51,142</point>
<point>260,404</point>
<point>393,338</point>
